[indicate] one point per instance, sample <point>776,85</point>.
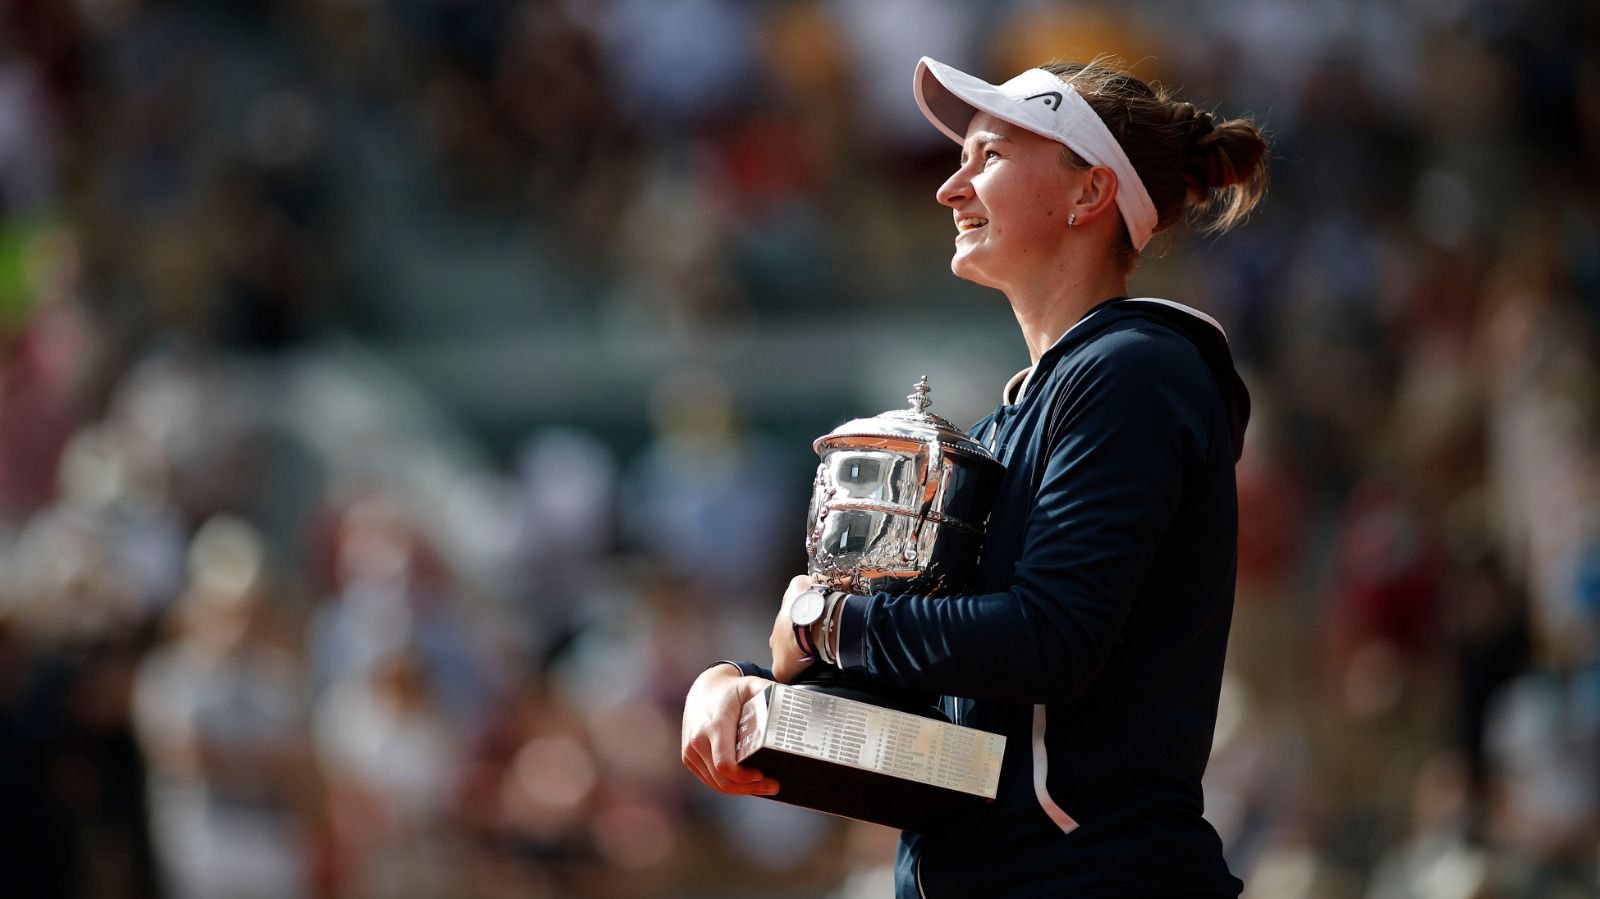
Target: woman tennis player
<point>1096,637</point>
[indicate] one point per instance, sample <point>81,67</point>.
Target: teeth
<point>969,224</point>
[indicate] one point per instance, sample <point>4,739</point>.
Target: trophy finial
<point>919,395</point>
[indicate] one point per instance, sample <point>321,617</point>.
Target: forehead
<point>986,123</point>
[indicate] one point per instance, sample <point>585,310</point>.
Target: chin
<point>962,266</point>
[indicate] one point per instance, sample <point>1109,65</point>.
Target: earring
<point>1072,220</point>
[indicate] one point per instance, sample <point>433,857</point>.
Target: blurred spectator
<point>39,403</point>
<point>27,157</point>
<point>706,499</point>
<point>392,599</point>
<point>565,531</point>
<point>1543,733</point>
<point>220,717</point>
<point>390,755</point>
<point>884,41</point>
<point>677,65</point>
<point>1438,859</point>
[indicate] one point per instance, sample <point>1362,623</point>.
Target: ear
<point>1099,194</point>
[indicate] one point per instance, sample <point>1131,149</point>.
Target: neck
<point>1047,306</point>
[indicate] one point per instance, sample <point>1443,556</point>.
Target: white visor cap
<point>1046,105</point>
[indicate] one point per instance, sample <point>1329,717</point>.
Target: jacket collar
<point>1017,386</point>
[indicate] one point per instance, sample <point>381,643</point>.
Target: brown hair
<point>1202,172</point>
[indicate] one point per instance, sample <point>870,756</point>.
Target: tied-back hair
<point>1201,172</point>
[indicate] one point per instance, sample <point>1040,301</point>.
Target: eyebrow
<point>982,138</point>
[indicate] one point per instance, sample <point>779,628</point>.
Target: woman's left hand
<point>787,662</point>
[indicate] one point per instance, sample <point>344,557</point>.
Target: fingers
<point>729,777</point>
<point>725,767</point>
<point>710,742</point>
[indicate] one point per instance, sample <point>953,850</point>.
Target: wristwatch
<point>806,611</point>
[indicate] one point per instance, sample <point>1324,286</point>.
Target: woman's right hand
<point>710,731</point>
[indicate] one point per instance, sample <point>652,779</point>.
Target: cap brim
<point>950,98</point>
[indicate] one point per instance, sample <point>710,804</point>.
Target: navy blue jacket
<point>1095,642</point>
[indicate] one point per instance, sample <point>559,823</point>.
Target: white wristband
<point>828,646</point>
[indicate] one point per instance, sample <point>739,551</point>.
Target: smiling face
<point>1010,200</point>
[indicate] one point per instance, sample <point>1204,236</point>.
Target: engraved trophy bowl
<point>899,505</point>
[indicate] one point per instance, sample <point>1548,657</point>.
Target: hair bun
<point>1201,124</point>
<point>1222,154</point>
<point>1197,168</point>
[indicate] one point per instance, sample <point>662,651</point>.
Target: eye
<point>987,153</point>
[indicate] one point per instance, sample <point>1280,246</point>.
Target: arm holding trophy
<point>898,503</point>
<point>712,709</point>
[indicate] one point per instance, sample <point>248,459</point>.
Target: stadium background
<point>401,400</point>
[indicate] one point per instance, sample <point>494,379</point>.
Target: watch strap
<point>802,641</point>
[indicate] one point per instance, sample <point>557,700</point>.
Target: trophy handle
<point>933,465</point>
<point>819,509</point>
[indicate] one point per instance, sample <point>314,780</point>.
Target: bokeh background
<point>402,400</point>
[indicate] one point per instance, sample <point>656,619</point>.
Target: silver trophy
<point>899,505</point>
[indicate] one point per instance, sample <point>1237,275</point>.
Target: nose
<point>956,189</point>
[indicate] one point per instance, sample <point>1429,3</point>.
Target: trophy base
<point>859,760</point>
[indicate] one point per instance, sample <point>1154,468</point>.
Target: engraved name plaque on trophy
<point>859,760</point>
<point>899,505</point>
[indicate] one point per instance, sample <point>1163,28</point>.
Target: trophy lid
<point>915,425</point>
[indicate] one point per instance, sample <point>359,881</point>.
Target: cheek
<point>1041,210</point>
<point>1029,212</point>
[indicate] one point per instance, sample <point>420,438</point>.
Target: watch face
<point>807,608</point>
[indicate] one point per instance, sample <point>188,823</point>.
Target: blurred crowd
<point>280,616</point>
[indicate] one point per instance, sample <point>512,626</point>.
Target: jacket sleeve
<point>1120,431</point>
<point>747,669</point>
